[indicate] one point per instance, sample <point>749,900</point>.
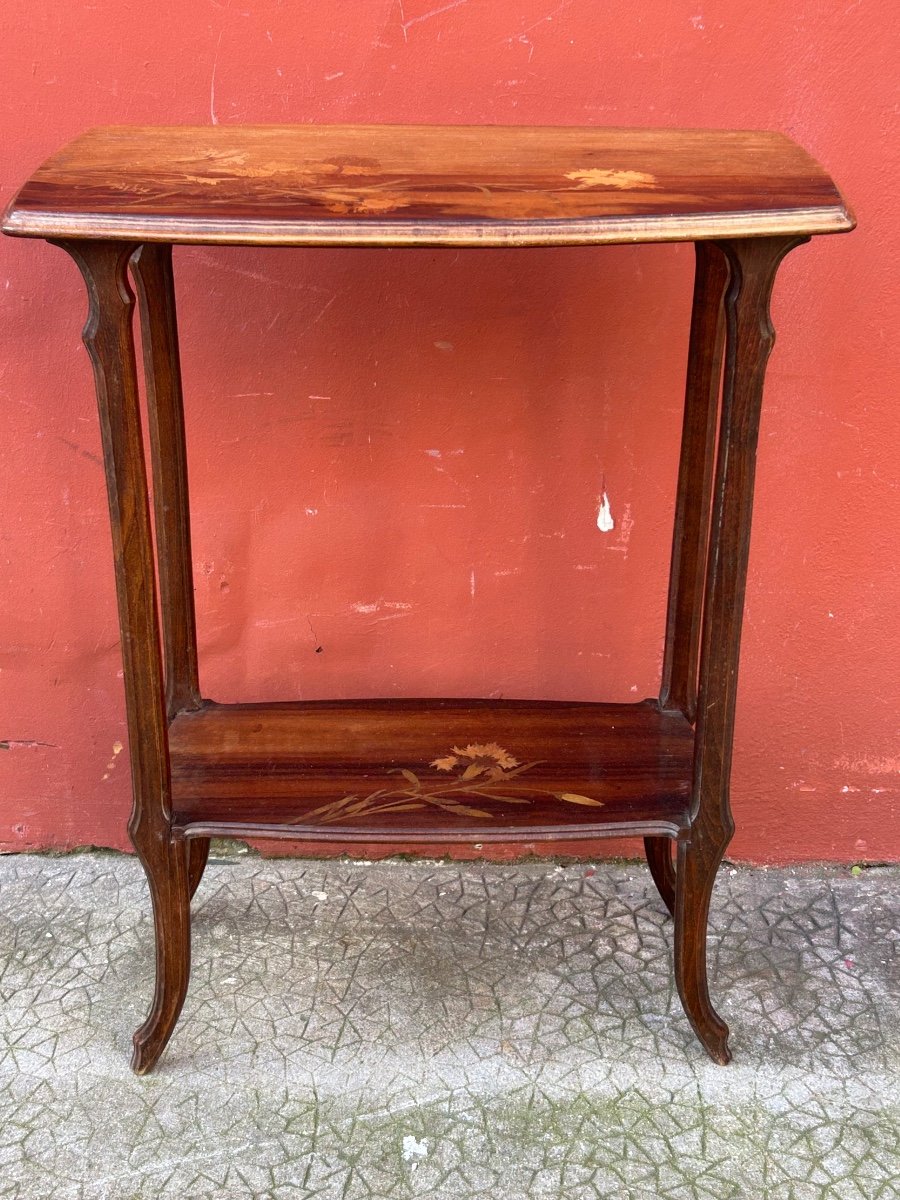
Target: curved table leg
<point>698,862</point>
<point>109,339</point>
<point>167,875</point>
<point>753,264</point>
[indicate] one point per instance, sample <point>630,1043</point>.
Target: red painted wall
<point>397,456</point>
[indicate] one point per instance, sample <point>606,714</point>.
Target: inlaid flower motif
<point>482,770</point>
<point>478,758</point>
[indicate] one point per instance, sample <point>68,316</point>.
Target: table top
<point>396,185</point>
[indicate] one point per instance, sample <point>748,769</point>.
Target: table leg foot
<point>698,861</point>
<point>167,876</point>
<point>659,859</point>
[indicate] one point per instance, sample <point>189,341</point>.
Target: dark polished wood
<point>692,504</point>
<point>426,771</point>
<point>151,266</point>
<point>109,340</point>
<point>750,337</point>
<point>433,185</point>
<point>662,868</point>
<point>431,770</point>
<point>198,853</point>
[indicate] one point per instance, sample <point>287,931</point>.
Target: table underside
<point>431,770</point>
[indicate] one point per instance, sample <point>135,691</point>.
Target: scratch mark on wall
<point>25,744</point>
<point>472,583</point>
<point>220,264</point>
<point>316,643</point>
<point>212,81</point>
<point>379,605</point>
<point>434,12</point>
<point>320,314</point>
<point>437,455</point>
<point>525,41</point>
<point>94,458</point>
<point>387,617</point>
<point>540,21</point>
<point>558,533</point>
<point>625,527</point>
<point>868,764</point>
<point>887,482</point>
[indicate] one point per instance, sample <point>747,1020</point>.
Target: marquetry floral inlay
<point>481,771</point>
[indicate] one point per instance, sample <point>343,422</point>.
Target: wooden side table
<point>428,770</point>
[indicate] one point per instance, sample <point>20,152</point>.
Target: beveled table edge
<point>594,231</point>
<point>465,835</point>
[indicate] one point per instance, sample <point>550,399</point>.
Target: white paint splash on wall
<point>605,522</point>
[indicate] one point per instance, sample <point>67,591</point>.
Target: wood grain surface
<point>428,185</point>
<point>431,770</point>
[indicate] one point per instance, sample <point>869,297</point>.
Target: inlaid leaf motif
<point>509,799</point>
<point>482,768</point>
<point>465,810</point>
<point>410,776</point>
<point>574,798</point>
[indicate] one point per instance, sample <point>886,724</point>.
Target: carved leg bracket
<point>662,868</point>
<point>198,853</point>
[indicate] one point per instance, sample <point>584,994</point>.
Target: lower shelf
<point>431,770</point>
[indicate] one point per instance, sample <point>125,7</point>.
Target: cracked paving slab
<point>448,1030</point>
